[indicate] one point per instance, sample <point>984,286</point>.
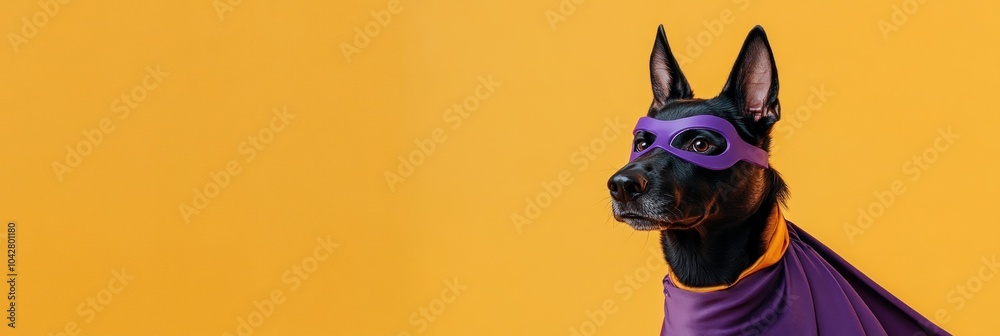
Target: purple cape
<point>809,291</point>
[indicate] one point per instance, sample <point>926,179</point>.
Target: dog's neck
<point>717,253</point>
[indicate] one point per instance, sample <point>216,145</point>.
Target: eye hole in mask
<point>642,141</point>
<point>701,141</point>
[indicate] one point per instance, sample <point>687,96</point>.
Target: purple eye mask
<point>667,130</point>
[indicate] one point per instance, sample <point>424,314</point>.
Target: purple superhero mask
<point>666,130</point>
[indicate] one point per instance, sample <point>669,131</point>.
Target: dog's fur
<point>712,222</point>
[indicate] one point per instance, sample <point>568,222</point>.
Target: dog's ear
<point>753,83</point>
<point>664,73</point>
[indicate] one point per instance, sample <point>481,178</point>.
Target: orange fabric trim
<point>776,246</point>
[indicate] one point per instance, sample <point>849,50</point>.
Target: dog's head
<point>662,191</point>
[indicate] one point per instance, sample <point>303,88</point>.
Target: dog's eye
<point>700,145</point>
<point>640,145</point>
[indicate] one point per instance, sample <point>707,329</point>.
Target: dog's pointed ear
<point>664,73</point>
<point>753,83</point>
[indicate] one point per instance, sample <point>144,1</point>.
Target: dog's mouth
<point>648,223</point>
<point>640,222</point>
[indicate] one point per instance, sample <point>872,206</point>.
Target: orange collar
<point>776,246</point>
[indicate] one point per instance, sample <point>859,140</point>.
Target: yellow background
<point>324,174</point>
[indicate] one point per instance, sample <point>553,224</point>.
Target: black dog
<point>718,226</point>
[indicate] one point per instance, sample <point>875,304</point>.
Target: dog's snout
<point>626,186</point>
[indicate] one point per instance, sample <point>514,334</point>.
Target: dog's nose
<point>626,186</point>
